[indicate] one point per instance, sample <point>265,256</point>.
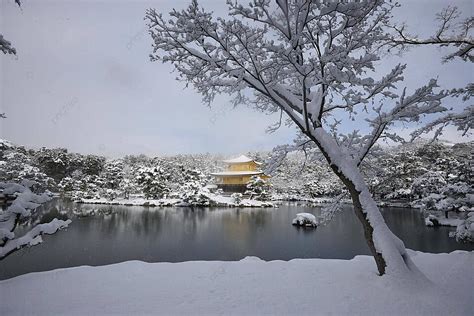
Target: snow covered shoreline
<point>300,286</point>
<point>227,201</point>
<point>213,200</point>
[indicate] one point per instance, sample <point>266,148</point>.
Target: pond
<point>183,234</point>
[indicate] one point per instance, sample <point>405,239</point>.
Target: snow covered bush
<point>258,189</point>
<point>237,198</point>
<point>465,230</point>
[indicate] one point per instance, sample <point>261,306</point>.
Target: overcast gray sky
<point>83,80</point>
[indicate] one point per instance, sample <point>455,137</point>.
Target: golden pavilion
<point>238,173</point>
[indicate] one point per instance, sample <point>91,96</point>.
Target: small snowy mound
<point>305,219</point>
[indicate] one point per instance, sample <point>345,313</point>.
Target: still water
<point>182,234</point>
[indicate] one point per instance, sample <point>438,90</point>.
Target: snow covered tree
<point>113,173</point>
<point>92,164</point>
<point>152,181</point>
<point>324,187</point>
<point>193,191</point>
<point>314,61</point>
<point>258,189</point>
<point>428,183</point>
<point>16,165</point>
<point>127,184</point>
<point>391,174</point>
<point>54,162</point>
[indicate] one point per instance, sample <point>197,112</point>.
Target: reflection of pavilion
<point>239,172</point>
<point>243,229</point>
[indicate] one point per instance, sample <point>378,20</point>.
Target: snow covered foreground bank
<point>250,286</point>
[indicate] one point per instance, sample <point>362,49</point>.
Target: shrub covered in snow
<point>258,189</point>
<point>237,198</point>
<point>465,230</point>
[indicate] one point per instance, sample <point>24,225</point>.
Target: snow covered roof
<point>236,173</point>
<point>241,159</point>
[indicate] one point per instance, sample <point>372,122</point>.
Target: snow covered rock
<point>305,219</point>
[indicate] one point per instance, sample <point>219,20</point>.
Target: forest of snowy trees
<point>434,177</point>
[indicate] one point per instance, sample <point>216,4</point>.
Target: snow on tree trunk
<point>388,250</point>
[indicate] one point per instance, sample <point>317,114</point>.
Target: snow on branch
<point>21,208</point>
<point>464,122</point>
<point>33,237</point>
<point>6,47</point>
<point>451,32</point>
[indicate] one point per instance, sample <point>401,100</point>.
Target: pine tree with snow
<point>153,181</point>
<point>258,189</point>
<point>193,191</point>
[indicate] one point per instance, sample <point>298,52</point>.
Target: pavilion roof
<point>241,159</point>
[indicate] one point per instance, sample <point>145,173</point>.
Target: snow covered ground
<point>247,287</point>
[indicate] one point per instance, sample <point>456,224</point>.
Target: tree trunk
<point>388,250</point>
<point>368,229</point>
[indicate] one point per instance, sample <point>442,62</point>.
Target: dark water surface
<point>183,234</point>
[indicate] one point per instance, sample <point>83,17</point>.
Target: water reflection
<point>182,234</point>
